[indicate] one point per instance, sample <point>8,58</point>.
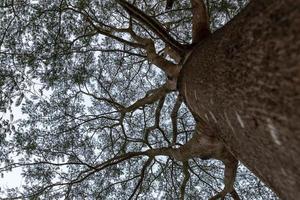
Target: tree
<point>254,86</point>
<point>108,86</point>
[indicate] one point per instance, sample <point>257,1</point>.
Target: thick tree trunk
<point>245,81</point>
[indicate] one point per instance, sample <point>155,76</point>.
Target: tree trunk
<point>245,81</point>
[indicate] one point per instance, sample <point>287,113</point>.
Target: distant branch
<point>142,175</point>
<point>157,119</point>
<point>103,29</point>
<point>186,178</point>
<point>171,69</point>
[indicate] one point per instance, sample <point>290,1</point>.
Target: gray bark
<point>244,81</point>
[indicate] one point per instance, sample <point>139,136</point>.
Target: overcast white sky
<point>13,178</point>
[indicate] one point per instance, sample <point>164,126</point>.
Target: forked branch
<point>231,166</point>
<point>153,25</point>
<point>200,21</point>
<point>171,69</point>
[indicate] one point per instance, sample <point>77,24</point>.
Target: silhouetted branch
<point>186,178</point>
<point>153,25</point>
<point>142,175</point>
<point>200,21</point>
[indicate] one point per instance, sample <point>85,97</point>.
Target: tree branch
<point>148,99</point>
<point>171,69</point>
<point>186,178</point>
<point>153,25</point>
<point>107,31</point>
<point>148,162</point>
<point>229,178</point>
<point>157,119</point>
<point>200,21</point>
<point>174,118</point>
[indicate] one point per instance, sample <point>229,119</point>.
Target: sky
<point>12,179</point>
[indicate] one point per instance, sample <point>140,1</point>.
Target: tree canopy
<point>96,81</point>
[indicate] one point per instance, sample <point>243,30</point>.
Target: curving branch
<point>200,21</point>
<point>202,179</point>
<point>153,25</point>
<point>231,165</point>
<point>102,28</point>
<point>171,69</point>
<point>157,120</point>
<point>151,98</point>
<point>198,146</point>
<point>142,176</point>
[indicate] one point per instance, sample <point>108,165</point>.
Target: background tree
<point>98,81</point>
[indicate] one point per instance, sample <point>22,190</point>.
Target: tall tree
<point>247,83</point>
<point>108,87</point>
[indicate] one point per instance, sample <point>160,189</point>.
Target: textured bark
<point>244,81</point>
